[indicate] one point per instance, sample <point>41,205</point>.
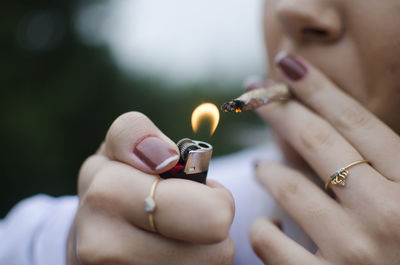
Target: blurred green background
<point>59,97</point>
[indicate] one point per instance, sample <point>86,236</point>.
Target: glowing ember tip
<point>205,111</point>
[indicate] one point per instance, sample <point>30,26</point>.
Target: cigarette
<point>258,97</point>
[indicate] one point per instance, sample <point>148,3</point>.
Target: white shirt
<point>35,231</point>
<point>252,201</point>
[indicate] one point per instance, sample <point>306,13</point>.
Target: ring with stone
<point>340,176</point>
<point>150,205</point>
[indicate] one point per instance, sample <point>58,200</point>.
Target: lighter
<point>194,160</point>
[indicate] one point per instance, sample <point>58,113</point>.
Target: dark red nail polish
<point>292,68</point>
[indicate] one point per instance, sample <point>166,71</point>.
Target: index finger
<point>182,209</point>
<point>370,136</point>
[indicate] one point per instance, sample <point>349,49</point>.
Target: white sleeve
<point>35,231</point>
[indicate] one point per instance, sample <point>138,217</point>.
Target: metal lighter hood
<point>196,154</point>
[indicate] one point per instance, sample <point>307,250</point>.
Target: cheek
<point>381,71</point>
<point>377,38</point>
<point>386,91</point>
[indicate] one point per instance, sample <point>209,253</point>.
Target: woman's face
<point>356,43</point>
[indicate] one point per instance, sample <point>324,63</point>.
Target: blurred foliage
<point>59,96</point>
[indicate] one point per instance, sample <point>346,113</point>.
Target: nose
<point>310,20</point>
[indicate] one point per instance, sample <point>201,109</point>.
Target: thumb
<point>135,140</point>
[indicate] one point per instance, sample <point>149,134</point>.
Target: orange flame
<point>205,111</point>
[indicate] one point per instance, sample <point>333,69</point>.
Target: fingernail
<point>253,86</point>
<point>256,164</point>
<point>253,82</point>
<point>292,68</point>
<point>278,223</point>
<point>155,153</point>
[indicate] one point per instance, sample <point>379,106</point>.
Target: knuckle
<point>90,167</point>
<point>312,94</point>
<point>318,212</point>
<point>389,212</point>
<point>220,212</point>
<point>359,252</point>
<point>86,254</point>
<point>228,252</point>
<point>388,219</point>
<point>316,137</point>
<point>101,196</point>
<point>94,254</point>
<point>92,232</point>
<point>220,221</point>
<point>224,254</point>
<point>287,188</point>
<point>353,117</point>
<point>218,227</point>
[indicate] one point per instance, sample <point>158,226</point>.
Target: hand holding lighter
<point>194,160</point>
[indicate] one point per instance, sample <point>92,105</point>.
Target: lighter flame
<point>205,111</point>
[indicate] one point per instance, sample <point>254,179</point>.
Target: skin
<point>345,109</point>
<point>111,226</point>
<point>345,104</point>
<point>360,51</point>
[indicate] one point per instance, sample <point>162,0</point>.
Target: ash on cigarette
<point>233,106</point>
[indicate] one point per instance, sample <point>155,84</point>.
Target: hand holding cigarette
<point>258,97</point>
<point>141,219</point>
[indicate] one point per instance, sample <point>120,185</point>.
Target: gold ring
<point>340,176</point>
<point>150,205</point>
